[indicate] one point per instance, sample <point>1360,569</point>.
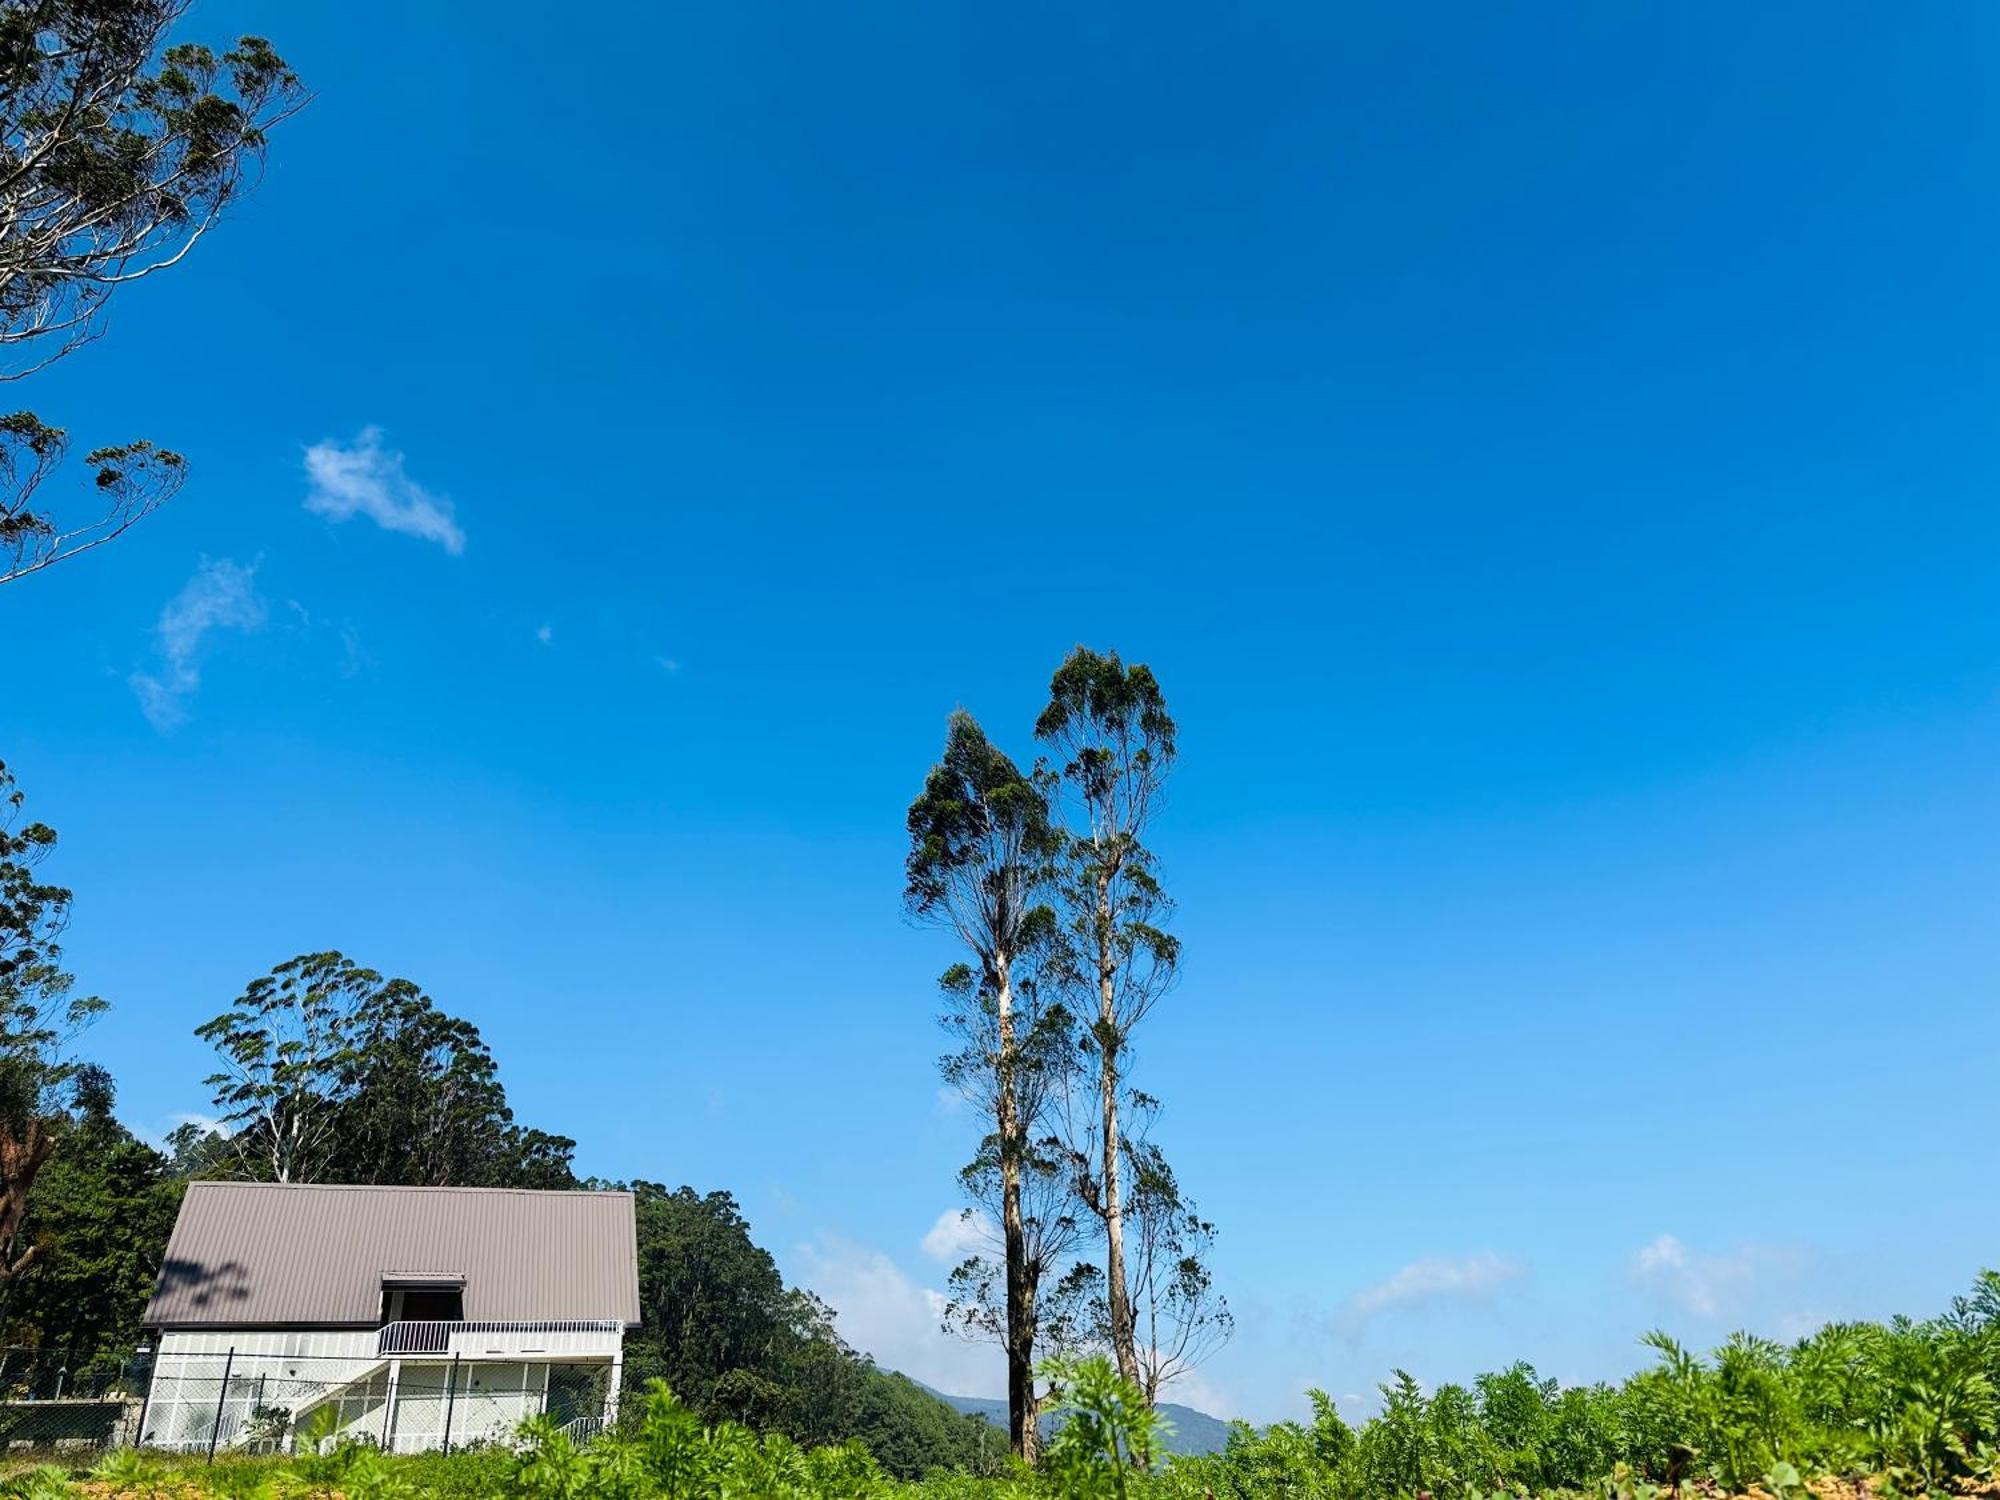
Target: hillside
<point>1194,1432</point>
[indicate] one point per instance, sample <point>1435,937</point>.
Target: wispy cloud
<point>365,479</point>
<point>888,1314</point>
<point>222,595</point>
<point>1477,1278</point>
<point>960,1232</point>
<point>1706,1285</point>
<point>546,634</point>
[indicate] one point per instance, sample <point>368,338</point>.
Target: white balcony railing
<point>507,1340</point>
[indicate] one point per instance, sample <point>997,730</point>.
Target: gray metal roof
<point>266,1254</point>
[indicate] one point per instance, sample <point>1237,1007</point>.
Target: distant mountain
<point>1195,1432</point>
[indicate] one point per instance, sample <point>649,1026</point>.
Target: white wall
<point>298,1373</point>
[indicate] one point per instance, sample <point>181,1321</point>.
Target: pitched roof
<point>263,1254</point>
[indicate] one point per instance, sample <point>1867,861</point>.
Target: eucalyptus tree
<point>978,867</point>
<point>40,1013</point>
<point>118,153</point>
<point>1180,1318</point>
<point>428,1109</point>
<point>291,1051</point>
<point>976,1306</point>
<point>1112,742</point>
<point>334,1074</point>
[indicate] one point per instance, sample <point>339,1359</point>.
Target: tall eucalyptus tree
<point>1112,740</point>
<point>978,866</point>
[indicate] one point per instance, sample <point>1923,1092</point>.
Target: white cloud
<point>888,1314</point>
<point>546,634</point>
<point>1478,1277</point>
<point>668,665</point>
<point>1708,1285</point>
<point>222,595</point>
<point>1193,1388</point>
<point>364,479</point>
<point>960,1232</point>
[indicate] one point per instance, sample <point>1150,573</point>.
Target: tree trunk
<point>21,1158</point>
<point>1020,1337</point>
<point>1117,1291</point>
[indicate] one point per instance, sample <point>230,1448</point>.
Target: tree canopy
<point>332,1073</point>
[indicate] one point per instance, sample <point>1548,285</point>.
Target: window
<point>423,1302</point>
<point>433,1304</point>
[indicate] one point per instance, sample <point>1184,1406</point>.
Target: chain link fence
<point>55,1402</point>
<point>232,1401</point>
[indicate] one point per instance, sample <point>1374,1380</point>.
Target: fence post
<point>215,1432</point>
<point>145,1401</point>
<point>389,1406</point>
<point>450,1399</point>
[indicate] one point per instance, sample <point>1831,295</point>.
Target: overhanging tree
<point>980,843</point>
<point>118,153</point>
<point>1109,731</point>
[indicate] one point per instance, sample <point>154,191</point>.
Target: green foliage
<point>38,1007</point>
<point>1912,1403</point>
<point>121,150</point>
<point>719,1326</point>
<point>332,1073</point>
<point>97,1223</point>
<point>39,1013</point>
<point>45,1482</point>
<point>1108,1430</point>
<point>427,1108</point>
<point>674,1455</point>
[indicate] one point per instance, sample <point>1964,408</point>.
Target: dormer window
<point>426,1297</point>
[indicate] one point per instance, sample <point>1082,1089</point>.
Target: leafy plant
<point>1108,1430</point>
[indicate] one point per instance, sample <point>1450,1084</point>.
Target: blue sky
<point>1548,454</point>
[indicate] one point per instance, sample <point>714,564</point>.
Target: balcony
<point>443,1340</point>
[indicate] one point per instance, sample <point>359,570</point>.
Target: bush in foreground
<point>1896,1410</point>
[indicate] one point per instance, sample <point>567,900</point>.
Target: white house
<point>411,1318</point>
